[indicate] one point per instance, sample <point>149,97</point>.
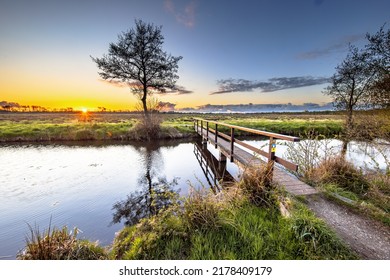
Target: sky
<point>234,52</point>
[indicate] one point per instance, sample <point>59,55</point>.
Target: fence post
<point>271,155</point>
<point>231,144</point>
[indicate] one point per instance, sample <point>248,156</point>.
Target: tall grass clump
<point>147,128</point>
<point>257,185</point>
<point>59,244</point>
<point>342,173</point>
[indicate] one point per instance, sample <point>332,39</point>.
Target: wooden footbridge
<point>245,155</point>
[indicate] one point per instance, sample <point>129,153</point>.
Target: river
<point>78,184</point>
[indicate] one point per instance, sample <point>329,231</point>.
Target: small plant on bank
<point>59,244</point>
<point>309,153</point>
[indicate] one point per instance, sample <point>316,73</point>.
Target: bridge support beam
<point>222,157</point>
<point>204,143</point>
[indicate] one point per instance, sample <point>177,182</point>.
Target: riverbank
<point>242,222</point>
<point>43,127</point>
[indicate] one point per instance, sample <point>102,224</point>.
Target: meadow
<point>36,127</point>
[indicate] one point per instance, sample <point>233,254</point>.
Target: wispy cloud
<point>185,16</point>
<point>256,108</point>
<point>341,45</point>
<point>273,84</point>
<point>178,90</point>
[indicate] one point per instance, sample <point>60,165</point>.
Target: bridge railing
<point>203,126</point>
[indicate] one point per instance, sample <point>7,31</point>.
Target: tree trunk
<point>349,123</point>
<point>344,148</point>
<point>145,106</point>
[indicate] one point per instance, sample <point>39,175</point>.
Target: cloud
<point>273,84</point>
<point>166,106</point>
<point>259,108</point>
<point>340,46</point>
<point>9,104</point>
<point>186,16</point>
<point>183,90</point>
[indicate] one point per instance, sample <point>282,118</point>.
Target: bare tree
<point>350,84</point>
<point>379,49</point>
<point>139,60</point>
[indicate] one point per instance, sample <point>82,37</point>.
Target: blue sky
<point>45,48</point>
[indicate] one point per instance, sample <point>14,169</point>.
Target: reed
<point>59,244</point>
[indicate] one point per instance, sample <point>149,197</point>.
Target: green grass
<point>51,127</point>
<point>248,232</point>
<point>293,127</point>
<point>229,226</point>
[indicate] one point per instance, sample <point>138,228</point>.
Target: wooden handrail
<point>270,155</point>
<point>255,131</point>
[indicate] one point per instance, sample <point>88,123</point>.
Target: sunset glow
<point>46,49</point>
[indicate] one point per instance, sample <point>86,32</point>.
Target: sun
<point>84,110</point>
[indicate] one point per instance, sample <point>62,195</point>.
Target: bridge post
<point>271,155</point>
<point>216,135</point>
<point>231,144</point>
<point>222,157</point>
<point>207,131</point>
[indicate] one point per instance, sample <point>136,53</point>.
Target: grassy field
<point>123,126</point>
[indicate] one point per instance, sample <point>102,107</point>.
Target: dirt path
<point>370,239</point>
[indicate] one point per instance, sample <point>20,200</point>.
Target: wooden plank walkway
<point>243,158</point>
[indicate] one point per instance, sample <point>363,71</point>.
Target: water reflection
<point>154,192</point>
<point>214,170</point>
<point>78,183</point>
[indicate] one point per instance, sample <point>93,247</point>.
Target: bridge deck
<point>243,158</point>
